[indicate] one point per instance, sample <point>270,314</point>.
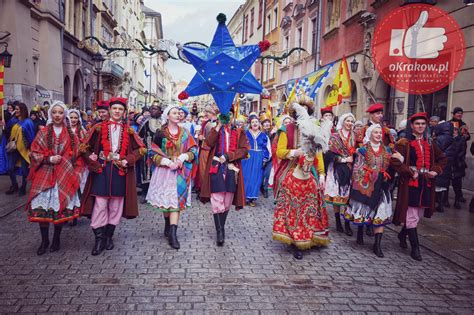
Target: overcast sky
<point>190,20</point>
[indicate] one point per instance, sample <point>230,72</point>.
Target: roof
<point>150,12</point>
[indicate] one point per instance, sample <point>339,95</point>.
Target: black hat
<point>457,110</point>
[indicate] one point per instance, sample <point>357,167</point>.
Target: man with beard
<point>147,133</point>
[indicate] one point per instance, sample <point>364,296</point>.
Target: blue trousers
<point>266,174</point>
<point>13,157</point>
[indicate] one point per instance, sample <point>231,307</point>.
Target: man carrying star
<point>224,184</point>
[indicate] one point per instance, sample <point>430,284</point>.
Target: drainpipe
<point>263,38</point>
<point>61,38</point>
<point>318,37</point>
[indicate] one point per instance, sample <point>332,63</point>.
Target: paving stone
<point>251,274</point>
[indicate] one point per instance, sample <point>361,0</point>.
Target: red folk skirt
<point>300,216</point>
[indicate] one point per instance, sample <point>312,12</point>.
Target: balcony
<point>113,69</point>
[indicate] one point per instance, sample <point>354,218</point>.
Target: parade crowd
<point>102,164</point>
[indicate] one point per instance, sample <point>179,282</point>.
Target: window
<point>265,70</point>
<point>272,70</point>
<point>252,18</point>
<point>286,47</point>
<point>275,18</point>
<point>269,23</point>
<point>260,12</point>
<point>355,6</point>
<point>299,39</point>
<point>246,28</point>
<point>333,11</point>
<point>313,36</point>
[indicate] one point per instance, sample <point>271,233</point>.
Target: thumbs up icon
<point>418,41</point>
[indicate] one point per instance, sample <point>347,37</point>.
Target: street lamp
<point>354,65</point>
<point>146,93</point>
<point>5,56</point>
<point>98,64</point>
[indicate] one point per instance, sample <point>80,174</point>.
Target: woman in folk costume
<point>174,153</point>
<point>75,122</point>
<point>111,150</point>
<point>224,185</point>
<point>54,193</point>
<point>252,167</point>
<point>20,131</point>
<point>370,201</point>
<point>339,159</point>
<point>300,217</point>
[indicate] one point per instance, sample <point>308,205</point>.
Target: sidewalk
<point>451,234</point>
<point>10,203</point>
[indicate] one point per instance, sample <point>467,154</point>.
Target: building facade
<point>35,29</point>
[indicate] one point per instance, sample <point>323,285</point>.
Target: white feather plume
<point>313,136</point>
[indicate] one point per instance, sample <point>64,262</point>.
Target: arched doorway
<point>88,99</point>
<point>67,90</point>
<point>77,89</point>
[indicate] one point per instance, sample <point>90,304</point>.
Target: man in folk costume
<point>147,133</point>
<point>376,117</point>
<point>422,162</point>
<point>327,114</point>
<point>224,184</point>
<point>211,112</point>
<point>111,150</point>
<point>102,111</point>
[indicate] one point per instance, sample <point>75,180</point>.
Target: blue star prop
<point>223,69</point>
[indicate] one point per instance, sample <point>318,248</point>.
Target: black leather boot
<point>377,248</point>
<point>297,253</point>
<point>370,230</point>
<point>339,228</point>
<point>109,233</point>
<point>44,240</point>
<point>457,205</point>
<point>402,237</point>
<point>360,235</point>
<point>22,190</point>
<point>73,222</point>
<point>439,200</point>
<point>167,227</point>
<point>415,245</point>
<point>56,238</point>
<point>13,189</point>
<point>224,220</point>
<point>173,240</point>
<point>99,241</point>
<point>218,223</point>
<point>347,228</point>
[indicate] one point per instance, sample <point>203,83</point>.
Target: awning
<point>43,93</point>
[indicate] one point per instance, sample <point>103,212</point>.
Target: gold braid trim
<point>314,242</point>
<point>131,130</point>
<point>98,127</point>
<point>142,151</point>
<point>83,147</point>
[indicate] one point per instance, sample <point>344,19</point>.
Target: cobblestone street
<point>250,274</point>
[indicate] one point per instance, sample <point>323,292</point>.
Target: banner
<point>341,85</point>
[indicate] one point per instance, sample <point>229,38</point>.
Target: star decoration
<point>222,70</point>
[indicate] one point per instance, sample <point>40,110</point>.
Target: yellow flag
<point>290,97</point>
<point>341,85</point>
